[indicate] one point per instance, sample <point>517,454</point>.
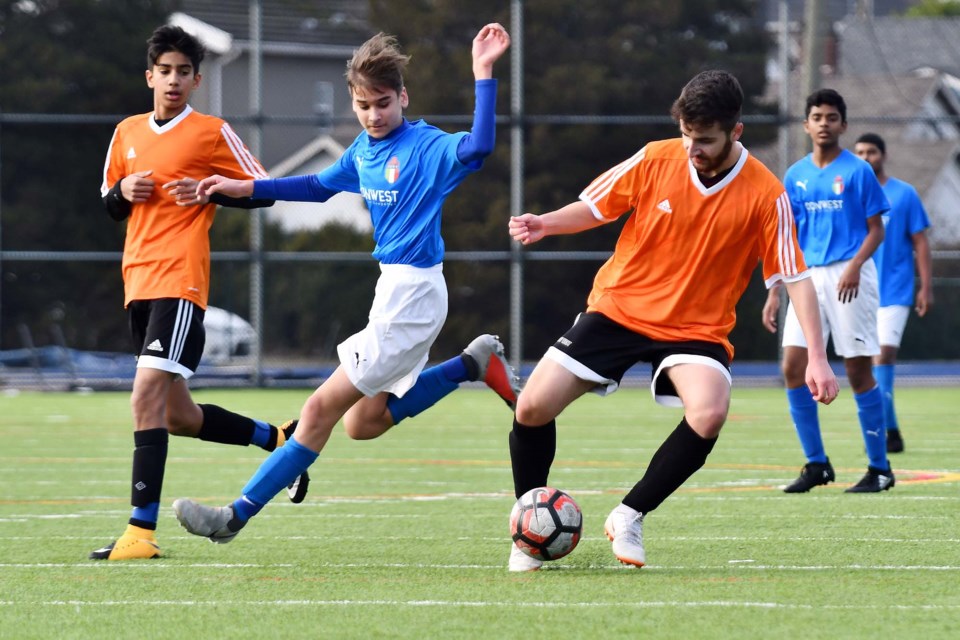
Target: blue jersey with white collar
<point>831,206</point>
<point>894,257</point>
<point>404,179</point>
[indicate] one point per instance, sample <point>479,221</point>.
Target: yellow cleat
<point>134,544</point>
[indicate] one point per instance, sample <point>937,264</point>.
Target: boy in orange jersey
<point>702,212</point>
<point>166,272</point>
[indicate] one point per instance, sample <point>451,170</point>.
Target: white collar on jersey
<point>726,180</point>
<point>187,110</point>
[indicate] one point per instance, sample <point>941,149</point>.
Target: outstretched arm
<point>573,218</point>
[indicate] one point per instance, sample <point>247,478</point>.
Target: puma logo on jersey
<point>155,346</point>
<point>802,184</point>
<point>131,154</point>
<point>665,206</point>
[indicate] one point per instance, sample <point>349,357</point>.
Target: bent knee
<point>707,421</point>
<point>533,413</point>
<point>363,431</point>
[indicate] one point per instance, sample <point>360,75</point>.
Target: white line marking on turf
<point>160,564</point>
<point>483,603</point>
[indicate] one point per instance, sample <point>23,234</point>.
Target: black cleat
<point>894,441</point>
<point>812,475</point>
<point>875,481</point>
<point>296,490</point>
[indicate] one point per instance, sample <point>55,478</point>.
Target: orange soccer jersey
<point>686,253</point>
<point>167,249</point>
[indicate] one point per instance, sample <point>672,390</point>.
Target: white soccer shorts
<point>891,321</point>
<point>853,325</point>
<point>408,311</point>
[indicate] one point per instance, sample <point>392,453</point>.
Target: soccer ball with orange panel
<point>546,523</point>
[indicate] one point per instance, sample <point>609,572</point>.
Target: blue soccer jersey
<point>831,206</point>
<point>894,257</point>
<point>404,178</point>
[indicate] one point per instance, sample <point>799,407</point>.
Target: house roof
<point>899,45</point>
<point>835,10</point>
<point>317,22</point>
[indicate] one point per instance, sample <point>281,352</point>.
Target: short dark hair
<point>168,38</point>
<point>828,97</point>
<point>710,97</point>
<point>875,140</point>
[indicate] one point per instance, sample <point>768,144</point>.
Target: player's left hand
<point>184,191</point>
<point>489,45</point>
<point>848,286</point>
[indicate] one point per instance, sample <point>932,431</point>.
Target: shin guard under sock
<point>531,454</point>
<point>678,458</point>
<point>149,461</point>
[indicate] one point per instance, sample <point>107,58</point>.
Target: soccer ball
<point>545,523</point>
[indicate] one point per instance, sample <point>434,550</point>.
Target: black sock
<point>149,461</point>
<point>678,458</point>
<point>226,427</point>
<point>531,454</point>
<point>473,367</point>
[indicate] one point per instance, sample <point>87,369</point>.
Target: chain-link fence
<point>61,318</point>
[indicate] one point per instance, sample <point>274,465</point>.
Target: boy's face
<point>871,153</point>
<point>824,126</point>
<point>379,110</point>
<point>709,148</point>
<point>172,79</point>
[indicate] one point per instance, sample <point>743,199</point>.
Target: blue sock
<point>803,410</point>
<point>870,412</point>
<point>261,433</point>
<point>279,469</point>
<point>149,513</point>
<point>884,375</point>
<point>432,384</point>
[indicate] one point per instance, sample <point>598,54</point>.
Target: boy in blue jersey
<point>404,170</point>
<point>837,203</point>
<point>905,237</point>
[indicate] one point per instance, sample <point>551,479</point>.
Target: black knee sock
<point>531,453</point>
<point>226,427</point>
<point>678,458</point>
<point>149,461</point>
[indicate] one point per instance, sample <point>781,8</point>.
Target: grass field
<point>405,536</point>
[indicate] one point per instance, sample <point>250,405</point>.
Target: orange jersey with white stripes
<point>686,252</point>
<point>167,249</point>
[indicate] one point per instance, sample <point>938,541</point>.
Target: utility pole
<point>813,45</point>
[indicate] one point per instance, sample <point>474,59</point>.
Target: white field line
<point>511,604</point>
<point>331,537</point>
<point>731,566</point>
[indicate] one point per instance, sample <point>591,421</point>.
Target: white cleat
<point>624,528</point>
<point>519,561</point>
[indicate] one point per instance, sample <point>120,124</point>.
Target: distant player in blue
<point>906,227</point>
<point>837,202</point>
<point>404,170</point>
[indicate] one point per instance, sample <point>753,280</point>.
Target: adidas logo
<point>884,481</point>
<point>131,154</point>
<point>665,206</point>
<point>155,346</point>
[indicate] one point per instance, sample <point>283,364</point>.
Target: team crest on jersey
<point>393,170</point>
<point>131,154</point>
<point>838,185</point>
